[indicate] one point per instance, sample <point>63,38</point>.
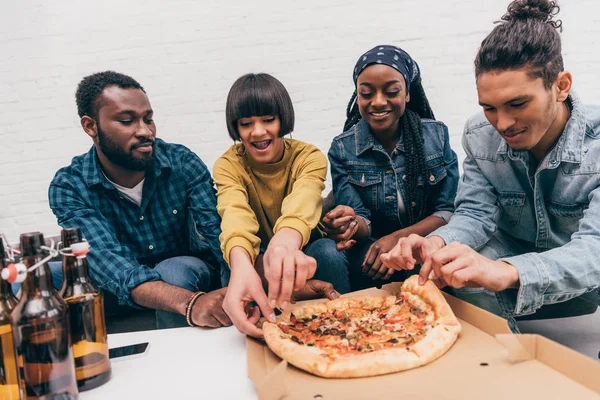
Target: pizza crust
<point>438,340</point>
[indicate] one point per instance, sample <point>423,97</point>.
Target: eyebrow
<point>514,99</point>
<point>132,112</point>
<point>386,84</point>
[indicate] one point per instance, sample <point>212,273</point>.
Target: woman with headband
<point>393,170</point>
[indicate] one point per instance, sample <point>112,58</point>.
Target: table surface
<point>196,363</point>
<point>182,363</point>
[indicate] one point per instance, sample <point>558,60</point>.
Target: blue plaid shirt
<point>177,217</point>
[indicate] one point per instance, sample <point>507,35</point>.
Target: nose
<point>504,121</point>
<point>259,129</point>
<point>144,130</point>
<point>378,100</point>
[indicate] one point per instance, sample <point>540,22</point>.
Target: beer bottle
<point>10,385</point>
<point>41,330</point>
<point>86,314</point>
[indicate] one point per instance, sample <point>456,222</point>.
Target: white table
<point>183,363</point>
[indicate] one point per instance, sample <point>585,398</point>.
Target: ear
<point>562,85</point>
<point>407,97</point>
<point>89,126</point>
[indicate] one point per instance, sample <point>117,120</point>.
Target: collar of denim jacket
<point>365,139</point>
<point>569,147</point>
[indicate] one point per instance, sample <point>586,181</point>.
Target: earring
<point>237,150</point>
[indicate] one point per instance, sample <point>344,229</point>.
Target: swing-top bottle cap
<point>14,273</point>
<point>69,236</point>
<point>31,244</point>
<point>80,249</point>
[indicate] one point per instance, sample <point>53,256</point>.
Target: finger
<point>448,271</point>
<point>370,258</point>
<point>376,270</point>
<point>340,222</point>
<point>341,246</point>
<point>426,269</point>
<point>310,265</point>
<point>337,212</point>
<point>260,298</point>
<point>301,277</point>
<point>211,322</point>
<point>388,275</point>
<point>287,283</point>
<point>274,273</point>
<point>254,315</point>
<point>392,259</point>
<point>220,316</point>
<point>325,289</point>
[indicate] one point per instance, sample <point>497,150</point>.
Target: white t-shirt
<point>134,193</point>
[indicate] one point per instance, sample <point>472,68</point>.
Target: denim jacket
<point>368,179</point>
<point>554,209</point>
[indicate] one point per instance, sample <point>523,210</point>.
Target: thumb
<point>260,298</point>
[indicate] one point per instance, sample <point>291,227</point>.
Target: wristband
<point>189,306</point>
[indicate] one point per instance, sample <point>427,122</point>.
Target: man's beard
<point>124,159</point>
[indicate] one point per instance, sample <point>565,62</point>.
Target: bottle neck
<point>6,295</point>
<point>75,270</point>
<point>38,281</point>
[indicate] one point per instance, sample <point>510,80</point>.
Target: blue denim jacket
<point>555,209</point>
<point>368,179</point>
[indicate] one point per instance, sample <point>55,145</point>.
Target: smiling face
<point>525,113</point>
<point>260,137</point>
<point>382,98</point>
<point>125,129</point>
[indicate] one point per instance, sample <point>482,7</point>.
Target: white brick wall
<point>187,53</point>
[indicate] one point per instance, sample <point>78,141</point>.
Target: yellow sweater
<point>256,200</point>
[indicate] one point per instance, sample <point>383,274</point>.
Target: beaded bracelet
<point>189,306</point>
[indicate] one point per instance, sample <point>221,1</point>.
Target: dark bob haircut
<point>255,95</point>
<point>90,88</point>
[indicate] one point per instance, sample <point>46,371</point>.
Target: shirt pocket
<point>564,218</point>
<point>366,184</point>
<point>511,207</point>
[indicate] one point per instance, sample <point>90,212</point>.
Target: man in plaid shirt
<point>147,207</point>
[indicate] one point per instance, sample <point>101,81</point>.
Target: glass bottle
<point>41,330</point>
<point>10,384</point>
<point>86,314</point>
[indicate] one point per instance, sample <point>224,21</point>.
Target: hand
<point>372,265</point>
<point>245,287</point>
<point>458,265</point>
<point>286,269</point>
<point>315,289</point>
<point>208,310</point>
<point>411,250</point>
<point>341,224</point>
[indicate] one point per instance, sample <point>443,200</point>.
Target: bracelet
<point>189,306</point>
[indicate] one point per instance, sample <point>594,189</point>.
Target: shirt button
<point>414,204</point>
<point>151,247</point>
<point>403,177</point>
<point>431,178</point>
<point>553,162</point>
<point>142,218</point>
<point>175,212</point>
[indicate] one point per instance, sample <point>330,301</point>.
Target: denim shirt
<point>554,209</point>
<point>368,179</point>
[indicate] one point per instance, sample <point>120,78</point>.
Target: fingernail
<point>334,295</point>
<point>272,303</point>
<point>271,317</point>
<point>284,304</point>
<point>421,280</point>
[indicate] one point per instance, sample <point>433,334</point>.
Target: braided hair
<point>412,127</point>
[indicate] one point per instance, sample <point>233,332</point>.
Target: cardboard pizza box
<point>486,362</point>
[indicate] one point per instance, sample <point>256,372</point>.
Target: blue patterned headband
<point>393,57</point>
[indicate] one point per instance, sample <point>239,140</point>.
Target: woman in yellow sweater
<point>269,199</point>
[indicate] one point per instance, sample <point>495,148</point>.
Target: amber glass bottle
<point>41,330</point>
<point>10,386</point>
<point>86,313</point>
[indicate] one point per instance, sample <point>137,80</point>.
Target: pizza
<point>366,335</point>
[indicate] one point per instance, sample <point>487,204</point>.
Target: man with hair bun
<point>526,229</point>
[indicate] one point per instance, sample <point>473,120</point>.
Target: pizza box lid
<point>487,361</point>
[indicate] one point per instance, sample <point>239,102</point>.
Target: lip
<point>379,115</point>
<point>144,148</point>
<point>514,137</point>
<point>259,150</point>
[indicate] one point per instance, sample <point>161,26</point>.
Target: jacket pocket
<point>366,184</point>
<point>511,207</point>
<point>564,218</point>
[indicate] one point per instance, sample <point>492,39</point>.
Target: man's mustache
<point>142,143</point>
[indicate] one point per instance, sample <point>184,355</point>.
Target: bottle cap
<point>14,273</point>
<point>69,236</point>
<point>80,249</point>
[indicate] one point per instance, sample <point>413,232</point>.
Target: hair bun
<point>542,10</point>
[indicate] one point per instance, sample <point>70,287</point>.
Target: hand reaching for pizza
<point>458,265</point>
<point>245,287</point>
<point>315,289</point>
<point>411,250</point>
<point>286,267</point>
<point>372,265</point>
<point>341,224</point>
